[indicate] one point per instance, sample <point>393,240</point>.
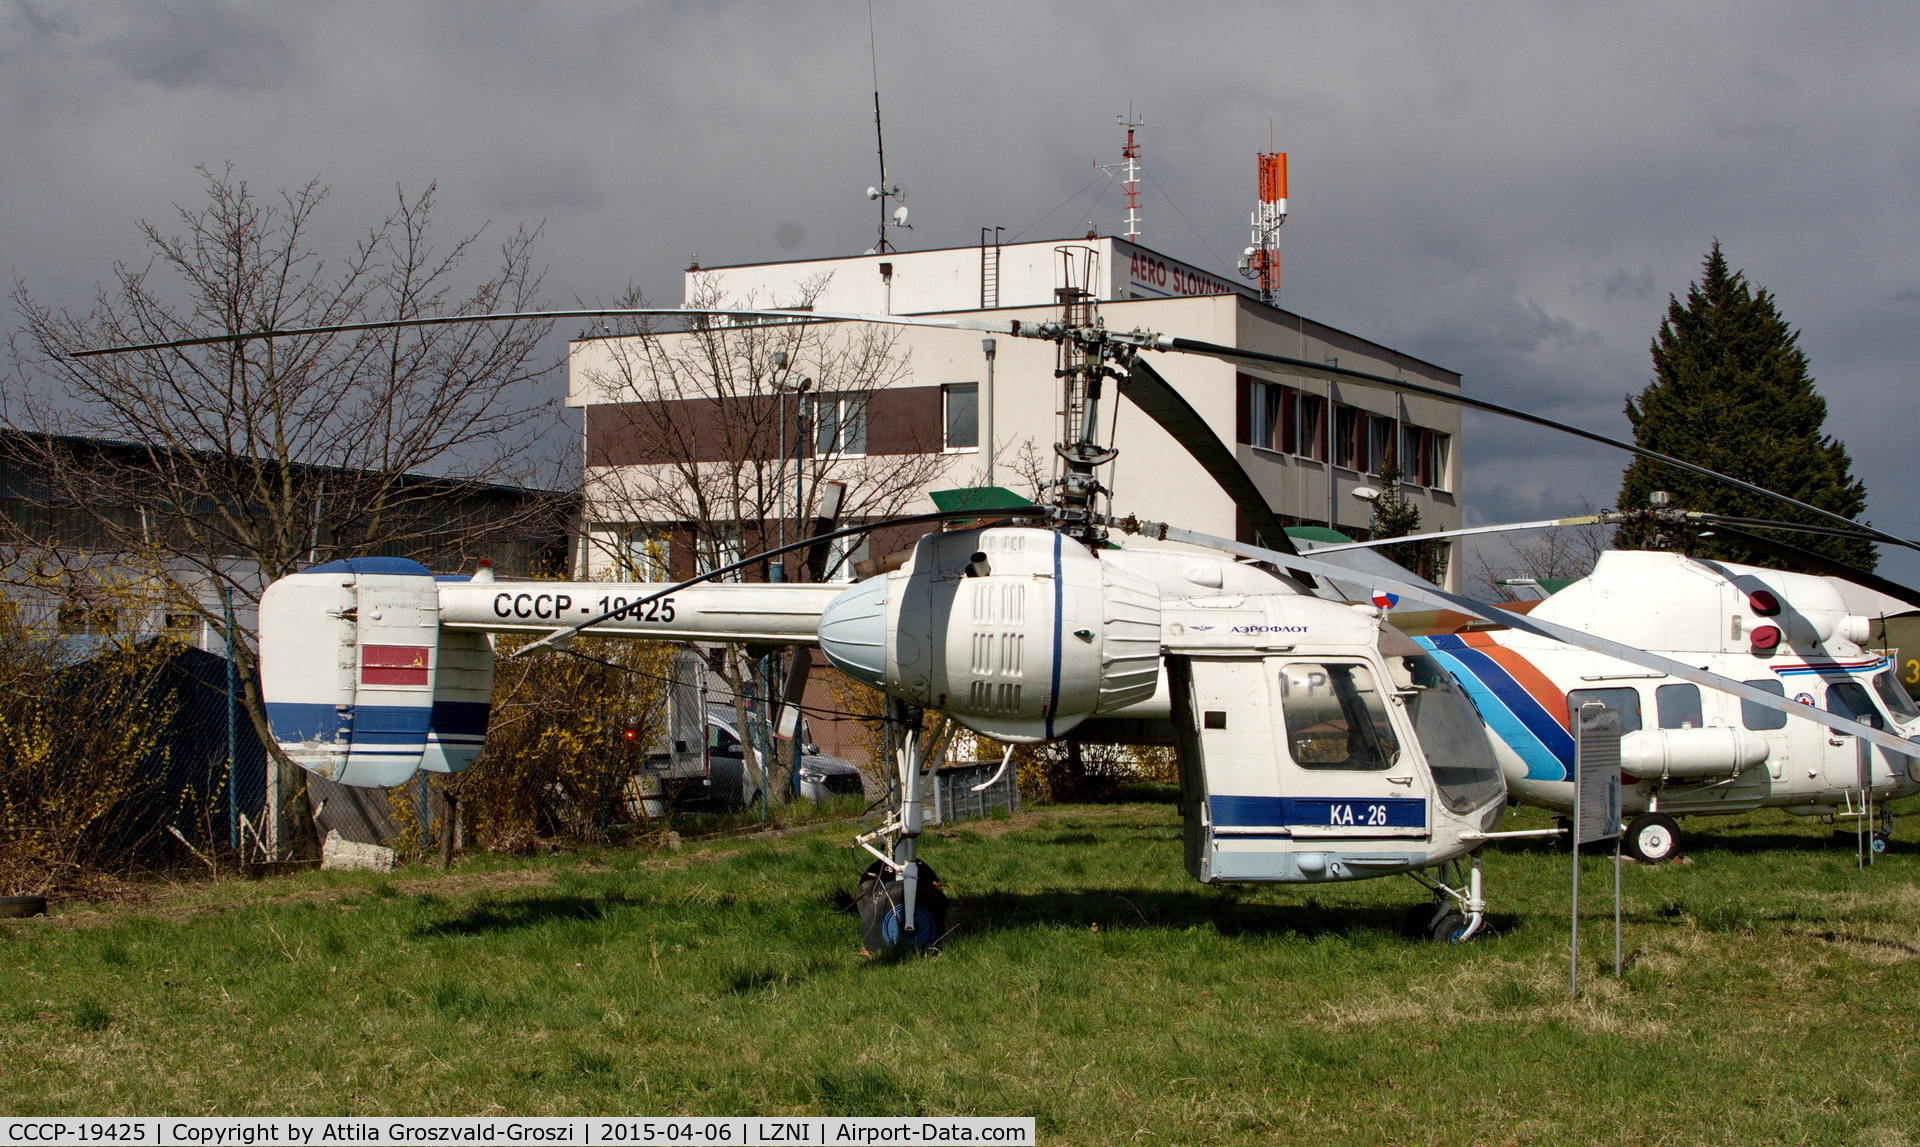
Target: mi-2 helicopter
<point>1686,752</point>
<point>1316,743</point>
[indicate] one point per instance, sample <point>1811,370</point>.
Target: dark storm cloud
<point>211,44</point>
<point>1509,190</point>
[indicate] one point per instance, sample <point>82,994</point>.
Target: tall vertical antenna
<point>1261,261</point>
<point>1127,173</point>
<point>880,142</point>
<point>885,191</point>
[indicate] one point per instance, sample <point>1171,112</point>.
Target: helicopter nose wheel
<point>881,901</point>
<point>1653,838</point>
<point>1458,910</point>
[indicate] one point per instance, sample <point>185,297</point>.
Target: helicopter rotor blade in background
<point>1552,631</point>
<point>801,317</point>
<point>1338,374</point>
<point>1509,527</point>
<point>1719,523</point>
<point>1158,400</point>
<point>1822,563</point>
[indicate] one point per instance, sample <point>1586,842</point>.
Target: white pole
<point>990,347</point>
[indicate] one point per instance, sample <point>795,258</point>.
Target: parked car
<point>733,786</point>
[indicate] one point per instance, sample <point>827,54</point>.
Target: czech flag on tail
<point>1385,600</point>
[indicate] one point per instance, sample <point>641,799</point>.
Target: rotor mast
<point>1082,367</point>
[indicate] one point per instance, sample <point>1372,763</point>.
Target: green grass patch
<point>1091,985</point>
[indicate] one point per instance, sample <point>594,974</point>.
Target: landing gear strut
<point>1443,922</point>
<point>900,900</point>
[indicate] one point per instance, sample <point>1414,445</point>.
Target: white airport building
<point>950,408</point>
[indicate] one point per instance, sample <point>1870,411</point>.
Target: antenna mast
<point>1130,184</point>
<point>1261,262</point>
<point>885,191</point>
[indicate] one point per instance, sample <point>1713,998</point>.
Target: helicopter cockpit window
<point>1625,700</point>
<point>1678,706</point>
<point>1849,699</point>
<point>1759,718</point>
<point>1336,718</point>
<point>1449,731</point>
<point>1895,697</point>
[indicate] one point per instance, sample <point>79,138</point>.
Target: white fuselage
<point>1689,750</point>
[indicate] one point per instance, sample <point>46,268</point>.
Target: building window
<point>1273,414</point>
<point>716,547</point>
<point>1423,456</point>
<point>842,554</point>
<point>962,403</point>
<point>840,424</point>
<point>1350,437</point>
<point>78,619</point>
<point>1379,441</point>
<point>1311,440</point>
<point>646,555</point>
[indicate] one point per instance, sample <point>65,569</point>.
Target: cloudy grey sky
<point>1508,190</point>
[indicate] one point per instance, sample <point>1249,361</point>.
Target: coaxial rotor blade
<point>1338,373</point>
<point>1509,527</point>
<point>1822,563</point>
<point>1005,328</point>
<point>1158,400</point>
<point>1551,631</point>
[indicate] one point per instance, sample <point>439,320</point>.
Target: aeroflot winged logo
<point>393,664</point>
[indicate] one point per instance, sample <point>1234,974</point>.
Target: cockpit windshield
<point>1894,695</point>
<point>1464,768</point>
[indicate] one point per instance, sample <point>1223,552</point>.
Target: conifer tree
<point>1395,517</point>
<point>1731,392</point>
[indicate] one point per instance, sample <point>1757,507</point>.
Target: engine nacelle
<point>361,686</point>
<point>1022,644</point>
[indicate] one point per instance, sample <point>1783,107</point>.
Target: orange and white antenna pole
<point>1261,261</point>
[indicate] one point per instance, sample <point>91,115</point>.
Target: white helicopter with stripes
<point>1685,751</point>
<point>1316,742</point>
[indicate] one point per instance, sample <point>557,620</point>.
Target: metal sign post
<point>1863,773</point>
<point>1596,812</point>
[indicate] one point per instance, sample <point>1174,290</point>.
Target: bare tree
<point>219,468</point>
<point>1554,552</point>
<point>709,444</point>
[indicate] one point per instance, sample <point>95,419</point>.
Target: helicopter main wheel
<point>882,904</point>
<point>1653,838</point>
<point>1450,929</point>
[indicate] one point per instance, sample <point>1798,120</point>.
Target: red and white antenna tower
<point>1130,183</point>
<point>1261,262</point>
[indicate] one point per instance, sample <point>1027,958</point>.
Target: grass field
<point>1772,995</point>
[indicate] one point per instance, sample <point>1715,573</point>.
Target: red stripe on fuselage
<point>1524,673</point>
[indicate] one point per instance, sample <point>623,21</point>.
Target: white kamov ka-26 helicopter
<point>1315,742</point>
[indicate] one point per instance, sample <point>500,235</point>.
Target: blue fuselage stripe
<point>1345,812</point>
<point>1507,708</point>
